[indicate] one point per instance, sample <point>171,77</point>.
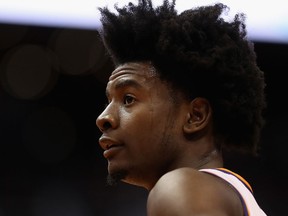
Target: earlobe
<point>198,116</point>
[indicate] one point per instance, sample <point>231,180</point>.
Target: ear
<point>198,116</point>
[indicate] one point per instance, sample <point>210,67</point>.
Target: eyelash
<point>128,97</point>
<point>125,97</point>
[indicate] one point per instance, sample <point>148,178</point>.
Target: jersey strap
<point>242,187</point>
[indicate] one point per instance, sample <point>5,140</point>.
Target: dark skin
<point>161,142</point>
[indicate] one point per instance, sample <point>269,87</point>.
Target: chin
<point>116,177</point>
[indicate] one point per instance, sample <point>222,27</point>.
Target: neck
<point>211,159</point>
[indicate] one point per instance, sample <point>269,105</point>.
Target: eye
<point>128,99</point>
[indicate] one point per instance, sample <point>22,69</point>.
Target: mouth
<point>106,142</point>
<point>110,146</point>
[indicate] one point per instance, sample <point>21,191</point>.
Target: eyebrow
<point>125,83</point>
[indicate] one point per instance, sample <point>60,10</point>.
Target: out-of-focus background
<point>53,70</point>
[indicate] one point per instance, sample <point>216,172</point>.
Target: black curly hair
<point>200,54</point>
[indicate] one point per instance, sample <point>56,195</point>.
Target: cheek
<point>148,129</point>
<point>138,123</point>
<point>141,125</point>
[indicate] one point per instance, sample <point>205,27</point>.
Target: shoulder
<point>187,191</point>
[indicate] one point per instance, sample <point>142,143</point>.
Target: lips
<point>110,146</point>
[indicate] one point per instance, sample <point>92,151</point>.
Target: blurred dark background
<point>52,83</point>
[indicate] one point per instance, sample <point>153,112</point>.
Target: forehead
<point>141,76</point>
<point>142,69</point>
<point>133,74</point>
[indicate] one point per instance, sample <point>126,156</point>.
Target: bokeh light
<point>78,52</point>
<point>28,71</point>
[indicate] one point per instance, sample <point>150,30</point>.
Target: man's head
<point>198,55</point>
<point>145,126</point>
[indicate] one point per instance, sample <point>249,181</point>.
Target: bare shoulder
<point>186,191</point>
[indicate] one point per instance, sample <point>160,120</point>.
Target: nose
<point>106,121</point>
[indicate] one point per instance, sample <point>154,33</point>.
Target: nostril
<point>106,125</point>
<point>105,122</point>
